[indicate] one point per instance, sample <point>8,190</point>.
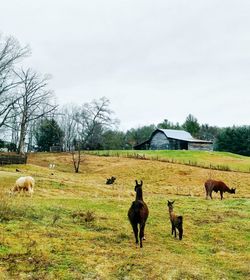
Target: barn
<point>171,139</point>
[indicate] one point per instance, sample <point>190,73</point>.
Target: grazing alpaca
<point>25,184</point>
<point>176,221</point>
<point>111,180</point>
<point>212,185</point>
<point>138,213</point>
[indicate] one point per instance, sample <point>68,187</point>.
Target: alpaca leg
<point>210,195</point>
<point>221,195</point>
<point>206,194</point>
<point>172,228</point>
<point>142,226</point>
<point>135,229</point>
<point>174,231</point>
<point>180,232</point>
<point>143,236</point>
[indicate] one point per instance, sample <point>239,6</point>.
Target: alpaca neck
<point>139,194</point>
<point>171,212</point>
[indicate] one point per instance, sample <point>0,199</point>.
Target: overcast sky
<point>152,59</point>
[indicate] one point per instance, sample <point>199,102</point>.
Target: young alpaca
<point>212,185</point>
<point>176,221</point>
<point>138,213</point>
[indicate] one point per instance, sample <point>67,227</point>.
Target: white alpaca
<point>25,184</point>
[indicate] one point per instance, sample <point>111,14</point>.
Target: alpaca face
<point>170,204</point>
<point>137,185</point>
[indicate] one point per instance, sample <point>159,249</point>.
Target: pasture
<point>76,227</point>
<point>206,159</point>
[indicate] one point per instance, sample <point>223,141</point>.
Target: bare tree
<point>35,101</point>
<point>13,126</point>
<point>91,120</point>
<point>72,142</point>
<point>10,53</point>
<point>67,123</point>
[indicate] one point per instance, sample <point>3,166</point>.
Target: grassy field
<point>206,159</point>
<point>76,227</point>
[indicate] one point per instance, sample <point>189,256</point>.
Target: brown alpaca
<point>213,185</point>
<point>138,213</point>
<point>176,221</point>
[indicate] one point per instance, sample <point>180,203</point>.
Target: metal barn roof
<point>177,134</point>
<point>181,135</point>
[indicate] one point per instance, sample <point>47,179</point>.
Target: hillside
<point>206,159</point>
<point>51,235</point>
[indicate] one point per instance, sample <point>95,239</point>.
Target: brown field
<point>47,236</point>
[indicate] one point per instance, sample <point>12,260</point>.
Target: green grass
<point>214,160</point>
<point>47,236</point>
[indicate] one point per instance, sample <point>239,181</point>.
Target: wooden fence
<point>12,159</point>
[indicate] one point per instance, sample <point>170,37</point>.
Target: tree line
<point>32,121</point>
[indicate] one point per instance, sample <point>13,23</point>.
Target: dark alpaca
<point>176,221</point>
<point>111,180</point>
<point>138,213</point>
<point>212,185</point>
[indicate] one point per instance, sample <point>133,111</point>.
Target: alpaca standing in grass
<point>138,213</point>
<point>25,184</point>
<point>176,221</point>
<point>212,185</point>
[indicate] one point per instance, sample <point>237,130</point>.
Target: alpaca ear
<point>141,182</point>
<point>136,182</point>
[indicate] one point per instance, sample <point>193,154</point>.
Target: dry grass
<point>76,227</point>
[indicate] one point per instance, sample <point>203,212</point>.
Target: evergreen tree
<point>113,140</point>
<point>2,144</point>
<point>191,125</point>
<point>136,136</point>
<point>166,124</point>
<point>235,140</point>
<point>48,134</point>
<point>207,132</point>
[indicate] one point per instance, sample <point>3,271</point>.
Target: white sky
<point>153,59</point>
